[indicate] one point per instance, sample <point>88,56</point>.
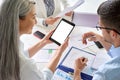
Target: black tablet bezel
<point>57,27</point>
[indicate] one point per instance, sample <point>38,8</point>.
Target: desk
<point>30,40</point>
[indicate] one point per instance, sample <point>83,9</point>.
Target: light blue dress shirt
<point>111,69</point>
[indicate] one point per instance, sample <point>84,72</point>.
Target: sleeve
<point>40,22</point>
<point>98,76</point>
<point>47,73</point>
<point>26,53</point>
<point>42,26</point>
<point>31,71</point>
<point>109,52</point>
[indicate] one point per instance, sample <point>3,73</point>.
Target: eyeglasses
<point>98,27</point>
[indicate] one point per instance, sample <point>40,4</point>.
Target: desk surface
<point>30,40</point>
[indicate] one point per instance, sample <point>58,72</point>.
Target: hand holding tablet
<point>62,31</point>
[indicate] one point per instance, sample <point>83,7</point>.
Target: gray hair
<point>10,12</point>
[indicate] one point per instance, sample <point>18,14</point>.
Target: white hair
<point>10,11</point>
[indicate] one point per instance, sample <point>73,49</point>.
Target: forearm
<point>32,50</point>
<point>54,61</point>
<point>77,74</point>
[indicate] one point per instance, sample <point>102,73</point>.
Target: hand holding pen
<point>80,63</point>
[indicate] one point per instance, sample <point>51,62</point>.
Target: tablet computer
<point>62,31</point>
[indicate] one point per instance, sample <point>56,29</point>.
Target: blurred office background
<point>89,6</point>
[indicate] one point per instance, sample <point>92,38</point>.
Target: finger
<point>69,13</point>
<point>85,64</point>
<point>67,39</point>
<point>92,39</point>
<point>50,17</point>
<point>81,59</point>
<point>85,36</point>
<point>66,42</point>
<point>57,18</point>
<point>85,60</point>
<point>49,33</point>
<point>84,39</point>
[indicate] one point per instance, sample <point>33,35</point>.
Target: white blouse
<point>29,70</point>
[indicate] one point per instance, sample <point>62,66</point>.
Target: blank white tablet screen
<point>62,32</point>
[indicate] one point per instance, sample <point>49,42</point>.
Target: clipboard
<point>85,74</point>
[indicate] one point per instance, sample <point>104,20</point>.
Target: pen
<point>71,73</point>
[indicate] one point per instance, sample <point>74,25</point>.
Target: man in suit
<point>47,10</point>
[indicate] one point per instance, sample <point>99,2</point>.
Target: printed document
<point>77,4</point>
<point>76,53</point>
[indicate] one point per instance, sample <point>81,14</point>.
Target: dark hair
<point>109,12</point>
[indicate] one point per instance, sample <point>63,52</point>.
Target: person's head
<point>109,18</point>
<point>27,20</point>
<point>12,12</point>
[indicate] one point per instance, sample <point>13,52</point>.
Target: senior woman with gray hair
<point>17,17</point>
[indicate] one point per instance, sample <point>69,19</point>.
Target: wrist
<point>58,53</point>
<point>44,23</point>
<point>77,75</point>
<point>78,70</point>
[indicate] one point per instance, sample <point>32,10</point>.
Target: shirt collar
<point>114,52</point>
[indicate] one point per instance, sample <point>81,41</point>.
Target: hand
<point>91,37</point>
<point>51,20</point>
<point>63,46</point>
<point>80,63</point>
<point>46,38</point>
<point>69,13</point>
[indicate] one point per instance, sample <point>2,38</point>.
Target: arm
<point>80,63</point>
<point>55,59</point>
<point>51,20</point>
<point>32,50</point>
<point>91,36</point>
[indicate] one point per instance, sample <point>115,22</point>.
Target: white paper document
<point>76,53</point>
<point>76,41</point>
<point>85,19</point>
<point>77,4</point>
<point>43,55</point>
<point>61,75</point>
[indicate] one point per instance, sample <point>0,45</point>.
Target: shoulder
<point>29,70</point>
<point>109,70</point>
